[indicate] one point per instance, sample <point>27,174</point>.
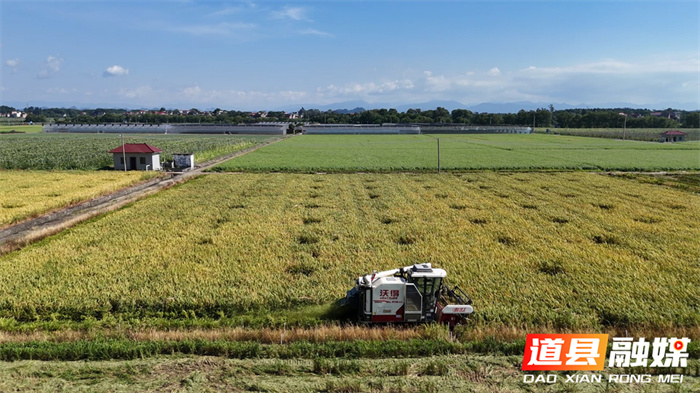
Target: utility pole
<point>123,151</point>
<point>624,128</point>
<point>438,146</point>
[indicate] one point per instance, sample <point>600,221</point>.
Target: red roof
<point>136,148</point>
<point>674,132</point>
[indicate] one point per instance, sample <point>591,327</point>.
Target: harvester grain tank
<point>411,294</point>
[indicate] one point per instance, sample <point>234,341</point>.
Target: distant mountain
<point>66,105</point>
<point>346,111</point>
<point>514,107</point>
<point>359,105</point>
<point>338,106</point>
<point>487,107</point>
<point>449,105</point>
<point>351,106</point>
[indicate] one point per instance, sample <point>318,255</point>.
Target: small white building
<point>183,160</point>
<point>137,157</point>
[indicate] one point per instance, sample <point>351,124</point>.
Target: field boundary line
<point>22,234</point>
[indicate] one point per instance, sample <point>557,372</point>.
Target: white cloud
<point>140,92</point>
<point>232,97</point>
<point>317,33</point>
<point>14,63</point>
<point>115,70</point>
<point>294,13</point>
<point>689,65</point>
<point>227,11</point>
<point>198,97</point>
<point>222,29</point>
<point>362,89</point>
<point>194,92</point>
<point>61,90</point>
<point>591,83</point>
<point>50,67</point>
<point>435,83</point>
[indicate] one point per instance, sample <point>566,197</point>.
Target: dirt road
<point>27,232</point>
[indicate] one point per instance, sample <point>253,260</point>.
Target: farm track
<point>24,233</point>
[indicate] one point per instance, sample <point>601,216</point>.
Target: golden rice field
<point>564,251</point>
<point>26,194</point>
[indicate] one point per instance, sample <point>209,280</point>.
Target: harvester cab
<point>411,294</point>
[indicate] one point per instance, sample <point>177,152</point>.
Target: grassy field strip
<point>454,373</point>
<point>641,134</point>
<point>519,244</point>
<point>261,335</point>
<point>20,128</point>
<point>28,194</point>
<point>538,141</point>
<point>452,155</point>
<point>480,142</point>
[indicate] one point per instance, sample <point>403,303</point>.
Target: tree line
<point>543,117</point>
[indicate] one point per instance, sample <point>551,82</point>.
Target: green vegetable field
<point>90,151</point>
<point>385,153</point>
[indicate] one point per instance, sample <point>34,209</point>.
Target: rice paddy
<point>27,194</point>
<point>563,251</point>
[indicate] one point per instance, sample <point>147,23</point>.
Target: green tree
<point>35,118</point>
<point>524,118</point>
<point>543,118</point>
<point>392,116</point>
<point>691,120</point>
<point>441,115</point>
<point>463,116</point>
<point>510,118</point>
<point>565,119</point>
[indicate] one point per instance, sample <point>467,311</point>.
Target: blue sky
<point>254,55</point>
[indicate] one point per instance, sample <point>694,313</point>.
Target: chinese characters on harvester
<point>586,352</point>
<point>388,294</point>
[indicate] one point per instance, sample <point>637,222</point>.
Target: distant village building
<point>15,114</point>
<point>137,157</point>
<point>673,136</point>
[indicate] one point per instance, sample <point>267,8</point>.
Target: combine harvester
<point>411,294</point>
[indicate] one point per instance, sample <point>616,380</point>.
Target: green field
<point>640,134</point>
<point>228,281</point>
<point>225,246</point>
<point>26,128</point>
<point>384,153</point>
<point>90,151</point>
